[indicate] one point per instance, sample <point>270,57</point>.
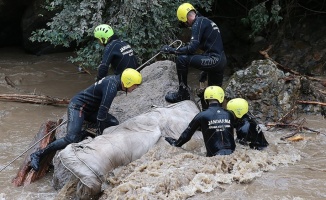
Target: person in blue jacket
<point>117,53</point>
<point>206,36</point>
<point>216,125</point>
<point>91,105</point>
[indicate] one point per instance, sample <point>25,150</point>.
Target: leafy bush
<point>259,17</point>
<point>145,24</point>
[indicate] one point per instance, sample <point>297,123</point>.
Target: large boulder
<point>270,92</point>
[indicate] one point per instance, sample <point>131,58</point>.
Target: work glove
<point>171,141</point>
<point>167,49</point>
<point>243,131</point>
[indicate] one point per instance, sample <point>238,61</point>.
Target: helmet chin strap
<point>126,89</point>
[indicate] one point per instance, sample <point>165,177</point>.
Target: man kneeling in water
<point>248,131</point>
<point>216,124</point>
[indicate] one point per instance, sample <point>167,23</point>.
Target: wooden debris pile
<point>296,125</point>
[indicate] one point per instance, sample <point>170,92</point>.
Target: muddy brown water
<point>52,75</point>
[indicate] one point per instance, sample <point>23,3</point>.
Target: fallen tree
<point>34,98</point>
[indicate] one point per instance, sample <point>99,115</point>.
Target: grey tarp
<point>91,159</point>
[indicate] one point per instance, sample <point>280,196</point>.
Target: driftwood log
<point>312,102</point>
<point>26,174</point>
<point>33,98</point>
<point>292,125</point>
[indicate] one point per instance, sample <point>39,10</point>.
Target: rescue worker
<point>117,53</point>
<point>91,105</point>
<point>248,131</point>
<point>216,124</point>
<point>205,35</point>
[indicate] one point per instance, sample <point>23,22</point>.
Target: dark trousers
<point>76,118</point>
<point>214,65</point>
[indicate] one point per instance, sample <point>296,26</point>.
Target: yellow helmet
<point>214,92</point>
<point>130,77</point>
<point>238,106</point>
<point>183,11</point>
<point>103,31</point>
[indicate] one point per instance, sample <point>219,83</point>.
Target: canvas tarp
<point>91,159</point>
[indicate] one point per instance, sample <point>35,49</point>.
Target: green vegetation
<point>146,25</point>
<point>259,17</point>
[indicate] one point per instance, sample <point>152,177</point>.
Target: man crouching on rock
<point>91,104</point>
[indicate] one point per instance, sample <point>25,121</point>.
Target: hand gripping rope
<point>143,65</point>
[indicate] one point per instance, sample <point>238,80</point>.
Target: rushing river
<point>294,170</point>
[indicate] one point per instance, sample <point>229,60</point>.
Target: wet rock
<point>269,91</point>
<point>303,46</point>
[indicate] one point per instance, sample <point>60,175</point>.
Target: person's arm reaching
<point>186,134</point>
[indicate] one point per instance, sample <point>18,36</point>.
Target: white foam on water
<point>174,173</point>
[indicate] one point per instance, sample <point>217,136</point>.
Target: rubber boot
<point>35,159</point>
<point>38,155</point>
<point>177,96</point>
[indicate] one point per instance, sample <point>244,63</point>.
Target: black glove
<point>167,49</point>
<point>171,141</point>
<point>243,131</point>
<point>242,141</point>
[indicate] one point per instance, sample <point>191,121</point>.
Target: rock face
<point>305,51</point>
<point>18,19</point>
<point>35,17</point>
<point>11,12</point>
